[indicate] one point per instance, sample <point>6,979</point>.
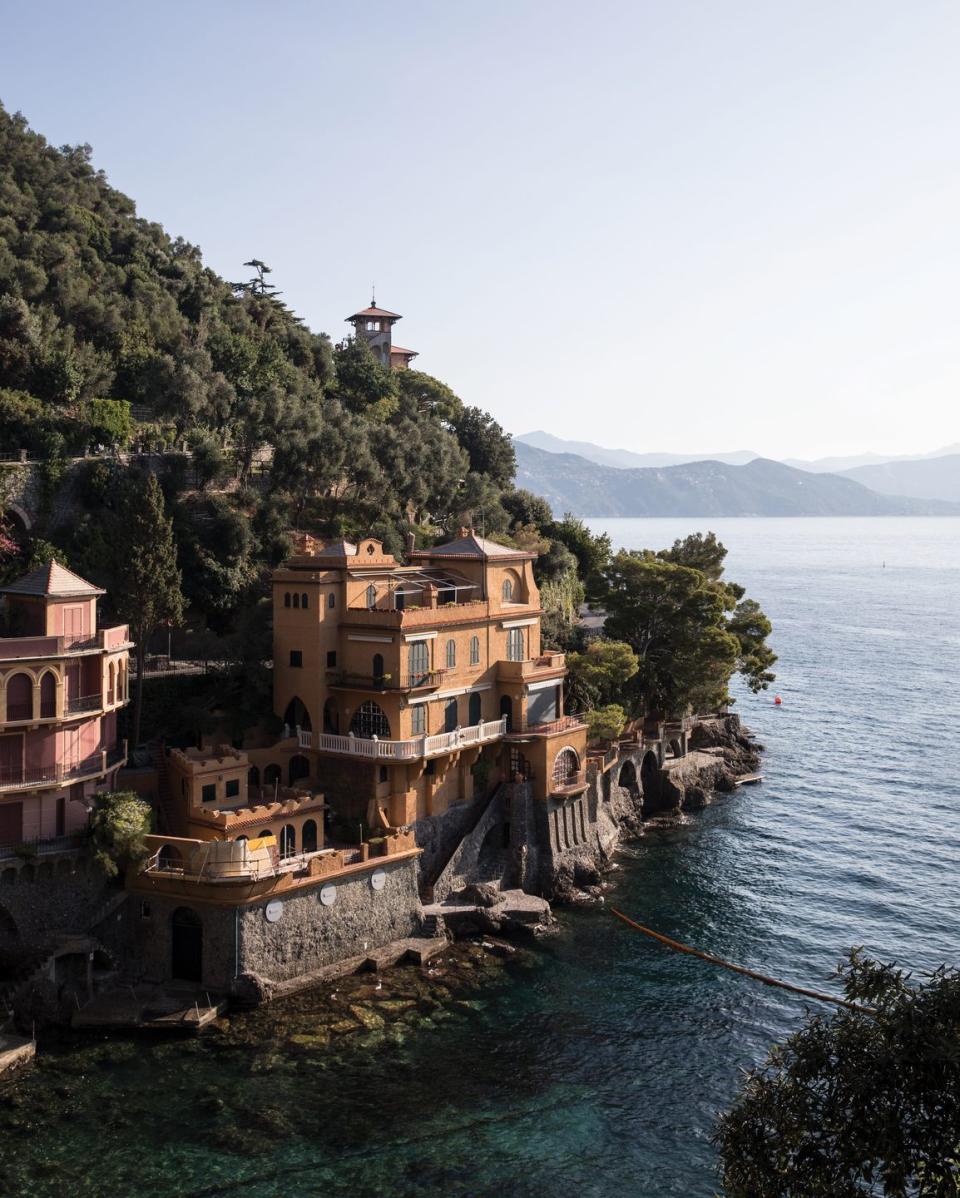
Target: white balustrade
<point>409,750</point>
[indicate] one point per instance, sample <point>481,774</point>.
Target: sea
<point>598,1065</point>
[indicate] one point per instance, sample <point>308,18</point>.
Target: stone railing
<point>405,750</point>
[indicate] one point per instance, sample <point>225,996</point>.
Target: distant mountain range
<point>625,457</point>
<point>572,483</point>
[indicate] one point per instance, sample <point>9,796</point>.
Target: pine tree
<point>146,586</point>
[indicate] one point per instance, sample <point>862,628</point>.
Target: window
<point>296,600</point>
<point>303,601</point>
<point>144,910</point>
<point>369,720</point>
<point>418,719</point>
<point>331,659</point>
<point>418,662</point>
<point>209,792</point>
<point>451,655</point>
<point>286,599</point>
<point>331,600</point>
<point>296,658</point>
<point>474,650</point>
<point>371,596</point>
<point>566,766</point>
<point>508,590</point>
<point>232,788</point>
<point>515,644</point>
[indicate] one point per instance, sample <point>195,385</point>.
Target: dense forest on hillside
<point>116,341</point>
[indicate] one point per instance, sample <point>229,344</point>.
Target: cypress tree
<point>146,589</point>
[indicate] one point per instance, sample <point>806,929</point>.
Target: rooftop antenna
<point>373,295</point>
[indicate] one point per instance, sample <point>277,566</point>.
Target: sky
<point>686,227</point>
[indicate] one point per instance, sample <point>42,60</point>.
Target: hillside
<point>925,478</point>
<point>626,458</point>
<point>570,483</point>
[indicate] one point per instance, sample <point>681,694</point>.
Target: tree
<point>526,508</point>
<point>864,1102</point>
<point>674,620</point>
<point>751,628</point>
<point>606,723</point>
<point>599,676</point>
<point>118,825</point>
<point>591,551</point>
<point>145,588</point>
<point>489,448</point>
<point>701,552</point>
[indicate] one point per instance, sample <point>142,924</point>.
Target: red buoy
<point>778,701</point>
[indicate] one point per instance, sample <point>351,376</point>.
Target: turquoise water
<point>597,1067</point>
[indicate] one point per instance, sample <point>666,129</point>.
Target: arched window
<point>451,654</point>
<point>474,650</point>
<point>508,590</point>
<point>308,836</point>
<point>331,717</point>
<point>303,600</point>
<point>371,596</point>
<point>264,834</point>
<point>331,600</point>
<point>48,695</point>
<point>296,599</point>
<point>476,705</point>
<point>369,720</point>
<point>288,840</point>
<point>20,697</point>
<point>378,669</point>
<point>418,662</point>
<point>286,599</point>
<point>297,716</point>
<point>515,644</point>
<point>111,678</point>
<point>121,683</point>
<point>566,766</point>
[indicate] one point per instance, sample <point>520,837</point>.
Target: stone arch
<point>272,774</point>
<point>627,779</point>
<point>48,695</point>
<point>675,748</point>
<point>297,716</point>
<point>298,768</point>
<point>370,720</point>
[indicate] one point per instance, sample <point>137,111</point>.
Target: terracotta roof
<point>54,581</point>
<point>374,312</point>
<point>472,546</point>
<point>337,549</point>
<point>407,353</point>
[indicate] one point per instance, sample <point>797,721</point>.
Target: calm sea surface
<point>598,1068</point>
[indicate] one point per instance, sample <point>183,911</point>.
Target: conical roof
<point>52,581</point>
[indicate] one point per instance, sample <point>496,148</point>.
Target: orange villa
<point>62,681</point>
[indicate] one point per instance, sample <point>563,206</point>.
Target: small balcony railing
<point>25,777</point>
<point>77,703</point>
<point>565,724</point>
<point>388,682</point>
<point>569,784</point>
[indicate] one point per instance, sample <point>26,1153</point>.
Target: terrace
<point>405,750</point>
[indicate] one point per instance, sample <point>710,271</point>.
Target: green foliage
<point>119,823</point>
<point>489,448</point>
<point>145,583</point>
<point>525,508</point>
<point>591,551</point>
<point>606,723</point>
<point>108,421</point>
<point>675,621</point>
<point>599,675</point>
<point>856,1103</point>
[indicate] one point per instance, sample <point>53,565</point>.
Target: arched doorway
<point>308,836</point>
<point>272,775</point>
<point>48,695</point>
<point>378,669</point>
<point>369,720</point>
<point>297,716</point>
<point>476,708</point>
<point>288,840</point>
<point>186,948</point>
<point>20,697</point>
<point>628,780</point>
<point>299,768</point>
<point>450,716</point>
<point>253,779</point>
<point>566,767</point>
<point>506,709</point>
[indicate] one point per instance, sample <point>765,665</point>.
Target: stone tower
<point>375,326</point>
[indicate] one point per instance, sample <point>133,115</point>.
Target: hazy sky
<point>663,226</point>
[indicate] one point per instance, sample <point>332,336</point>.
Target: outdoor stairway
<point>480,810</point>
<point>433,926</point>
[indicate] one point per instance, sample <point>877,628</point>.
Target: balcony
<point>38,777</point>
<point>405,750</point>
<point>571,784</point>
<point>386,682</point>
<point>37,648</point>
<point>80,703</point>
<point>523,731</point>
<point>411,617</point>
<point>533,669</point>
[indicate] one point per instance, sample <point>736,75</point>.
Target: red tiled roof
<point>375,312</point>
<point>52,580</point>
<point>407,353</point>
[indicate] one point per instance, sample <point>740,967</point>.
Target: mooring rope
<point>750,973</point>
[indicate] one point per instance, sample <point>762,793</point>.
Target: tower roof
<point>406,353</point>
<point>468,544</point>
<point>368,312</point>
<point>52,581</point>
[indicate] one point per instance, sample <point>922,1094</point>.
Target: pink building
<point>62,681</point>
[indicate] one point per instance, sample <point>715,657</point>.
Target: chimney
<point>464,532</point>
